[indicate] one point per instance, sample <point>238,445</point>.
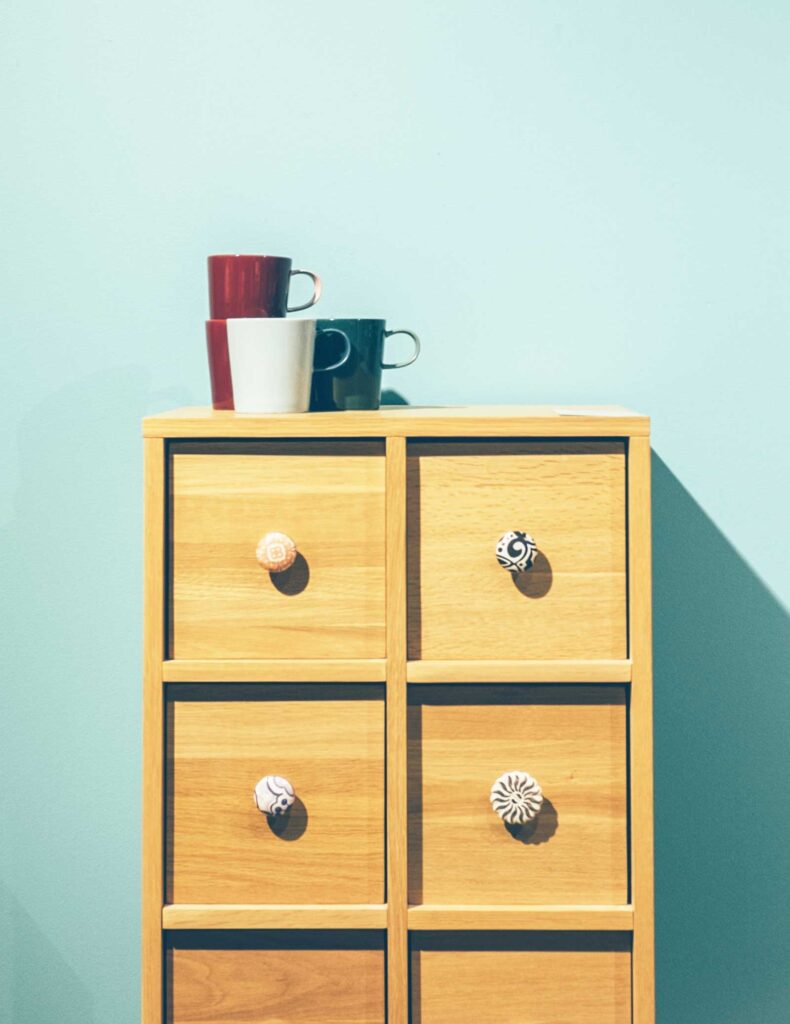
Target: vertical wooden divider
<point>397,923</point>
<point>153,732</point>
<point>641,767</point>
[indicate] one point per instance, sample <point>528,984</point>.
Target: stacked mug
<point>263,363</point>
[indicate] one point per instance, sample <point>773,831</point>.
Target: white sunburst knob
<point>516,797</point>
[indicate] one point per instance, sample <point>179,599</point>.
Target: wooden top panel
<point>406,421</point>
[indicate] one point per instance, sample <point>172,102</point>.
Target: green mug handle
<point>346,352</point>
<point>399,366</point>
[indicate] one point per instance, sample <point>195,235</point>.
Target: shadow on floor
<point>722,707</point>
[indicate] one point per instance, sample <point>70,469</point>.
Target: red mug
<point>219,364</point>
<point>250,286</point>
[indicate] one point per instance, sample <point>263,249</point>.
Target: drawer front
<point>524,979</point>
<point>572,741</point>
<point>570,497</point>
<point>323,978</point>
<point>327,497</point>
<point>328,743</point>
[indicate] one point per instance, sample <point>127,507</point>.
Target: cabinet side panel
<point>641,650</point>
<point>397,926</point>
<point>153,651</point>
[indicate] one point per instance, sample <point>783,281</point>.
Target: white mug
<point>271,362</point>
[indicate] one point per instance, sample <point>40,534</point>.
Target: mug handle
<point>343,359</point>
<point>316,290</point>
<point>399,366</point>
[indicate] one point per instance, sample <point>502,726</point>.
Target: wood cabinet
<point>321,741</point>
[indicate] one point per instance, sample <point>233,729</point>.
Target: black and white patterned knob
<point>274,795</point>
<point>516,797</point>
<point>515,551</point>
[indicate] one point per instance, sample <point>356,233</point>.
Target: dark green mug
<point>357,383</point>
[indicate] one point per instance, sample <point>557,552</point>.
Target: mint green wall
<point>571,202</point>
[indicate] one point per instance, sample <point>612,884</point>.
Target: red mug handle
<point>316,290</point>
<point>408,362</point>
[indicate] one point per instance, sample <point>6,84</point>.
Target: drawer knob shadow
<point>540,829</point>
<point>294,580</point>
<point>290,826</point>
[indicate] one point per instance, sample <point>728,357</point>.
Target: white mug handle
<point>316,290</point>
<point>408,362</point>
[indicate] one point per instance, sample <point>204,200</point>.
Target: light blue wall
<point>571,202</point>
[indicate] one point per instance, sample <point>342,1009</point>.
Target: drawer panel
<point>329,498</point>
<point>572,740</point>
<point>532,978</point>
<point>328,741</point>
<point>275,978</point>
<point>571,497</point>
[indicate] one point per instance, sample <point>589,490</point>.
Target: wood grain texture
<point>276,986</point>
<point>572,740</point>
<point>404,421</point>
<point>528,985</point>
<point>397,769</point>
<point>330,847</point>
<point>277,916</point>
<point>641,749</point>
<point>277,670</point>
<point>519,671</point>
<point>329,497</point>
<point>471,917</point>
<point>153,730</point>
<point>571,497</point>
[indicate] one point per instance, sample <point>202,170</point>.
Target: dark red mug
<point>219,364</point>
<point>242,286</point>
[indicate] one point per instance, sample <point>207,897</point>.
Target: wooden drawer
<point>328,741</point>
<point>275,978</point>
<point>329,498</point>
<point>570,496</point>
<point>572,740</point>
<point>531,978</point>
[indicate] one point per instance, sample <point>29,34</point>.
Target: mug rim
<point>245,256</point>
<point>269,319</point>
<point>351,319</point>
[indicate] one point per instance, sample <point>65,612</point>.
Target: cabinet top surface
<point>406,421</point>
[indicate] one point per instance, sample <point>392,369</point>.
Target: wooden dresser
<point>406,670</point>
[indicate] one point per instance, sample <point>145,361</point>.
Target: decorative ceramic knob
<point>515,551</point>
<point>274,795</point>
<point>276,552</point>
<point>516,798</point>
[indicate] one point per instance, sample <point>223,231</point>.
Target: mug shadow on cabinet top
<point>722,841</point>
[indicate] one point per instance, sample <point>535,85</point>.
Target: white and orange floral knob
<point>276,552</point>
<point>515,551</point>
<point>274,795</point>
<point>516,797</point>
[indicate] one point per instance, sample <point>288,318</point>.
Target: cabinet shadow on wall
<point>722,706</point>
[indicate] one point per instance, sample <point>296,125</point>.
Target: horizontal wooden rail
<point>519,671</point>
<point>276,670</point>
<point>404,421</point>
<point>433,917</point>
<point>286,915</point>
